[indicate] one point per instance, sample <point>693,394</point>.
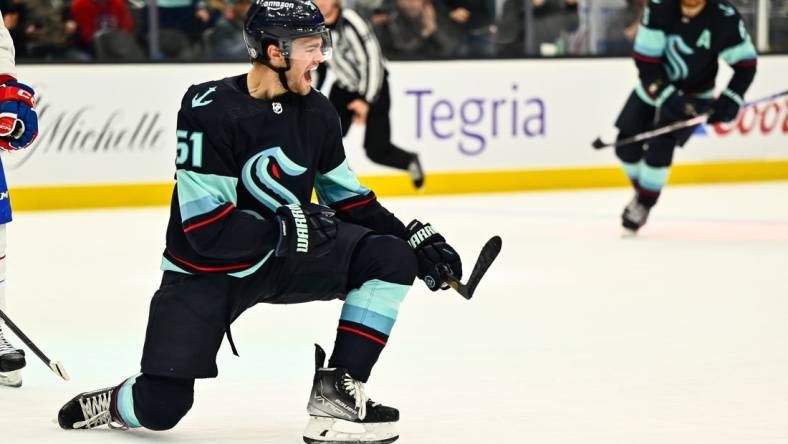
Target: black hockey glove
<point>434,254</point>
<point>724,109</point>
<point>305,230</point>
<point>678,106</point>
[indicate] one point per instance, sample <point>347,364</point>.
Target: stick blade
<point>487,256</point>
<point>598,144</point>
<point>59,370</point>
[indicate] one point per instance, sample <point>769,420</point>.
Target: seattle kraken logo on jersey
<point>677,67</point>
<point>260,184</point>
<point>199,99</point>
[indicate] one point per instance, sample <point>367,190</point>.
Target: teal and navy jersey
<point>239,159</point>
<point>676,52</point>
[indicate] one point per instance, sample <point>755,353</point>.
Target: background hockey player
<point>242,230</point>
<point>18,129</point>
<point>360,92</point>
<point>676,52</point>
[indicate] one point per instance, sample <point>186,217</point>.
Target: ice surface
<point>574,336</point>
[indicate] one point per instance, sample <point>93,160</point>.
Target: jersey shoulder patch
<point>726,9</point>
<point>211,94</point>
<point>201,98</point>
<point>210,103</point>
<point>200,95</point>
<point>730,22</point>
<point>204,108</point>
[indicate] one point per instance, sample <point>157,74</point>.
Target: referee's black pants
<point>377,138</point>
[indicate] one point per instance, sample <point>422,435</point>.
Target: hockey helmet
<point>280,22</point>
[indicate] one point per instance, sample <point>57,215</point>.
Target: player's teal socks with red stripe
<point>632,170</point>
<point>652,180</point>
<point>153,402</point>
<point>125,402</point>
<point>648,180</point>
<point>365,325</point>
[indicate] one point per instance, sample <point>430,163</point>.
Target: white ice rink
<point>575,335</point>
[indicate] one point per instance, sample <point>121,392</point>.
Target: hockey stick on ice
<point>675,126</point>
<point>486,257</point>
<point>56,366</point>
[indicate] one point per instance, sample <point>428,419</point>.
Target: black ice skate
<point>341,413</point>
<point>416,173</point>
<point>91,409</point>
<point>634,216</point>
<point>12,360</point>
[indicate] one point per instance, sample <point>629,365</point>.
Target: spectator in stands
<point>182,24</point>
<point>415,30</point>
<point>510,38</point>
<point>223,41</point>
<point>14,13</point>
<point>778,25</point>
<point>622,28</point>
<point>474,19</point>
<point>553,21</point>
<point>50,33</point>
<point>139,15</point>
<point>105,28</point>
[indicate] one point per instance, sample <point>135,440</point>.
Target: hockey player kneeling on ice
<point>242,231</point>
<point>676,51</point>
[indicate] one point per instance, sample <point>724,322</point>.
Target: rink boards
<point>108,131</point>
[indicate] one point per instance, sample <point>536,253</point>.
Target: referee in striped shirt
<point>360,92</point>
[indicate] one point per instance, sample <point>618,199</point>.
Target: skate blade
<point>627,233</point>
<point>11,379</point>
<point>324,430</point>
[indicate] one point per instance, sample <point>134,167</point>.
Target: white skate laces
<point>356,390</point>
<point>96,410</point>
<point>5,346</point>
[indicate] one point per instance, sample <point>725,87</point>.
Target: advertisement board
<point>116,124</point>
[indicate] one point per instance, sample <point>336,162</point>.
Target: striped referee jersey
<point>357,61</point>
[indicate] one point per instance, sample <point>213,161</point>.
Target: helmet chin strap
<point>282,77</point>
<point>280,71</point>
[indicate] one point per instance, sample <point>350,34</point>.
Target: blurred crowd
<point>197,30</point>
<point>77,30</point>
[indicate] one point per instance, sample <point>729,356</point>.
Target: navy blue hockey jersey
<point>239,158</point>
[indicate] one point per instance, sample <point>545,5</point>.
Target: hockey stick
<point>599,144</point>
<point>56,366</point>
<point>486,257</point>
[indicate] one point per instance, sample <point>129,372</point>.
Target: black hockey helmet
<point>280,22</point>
